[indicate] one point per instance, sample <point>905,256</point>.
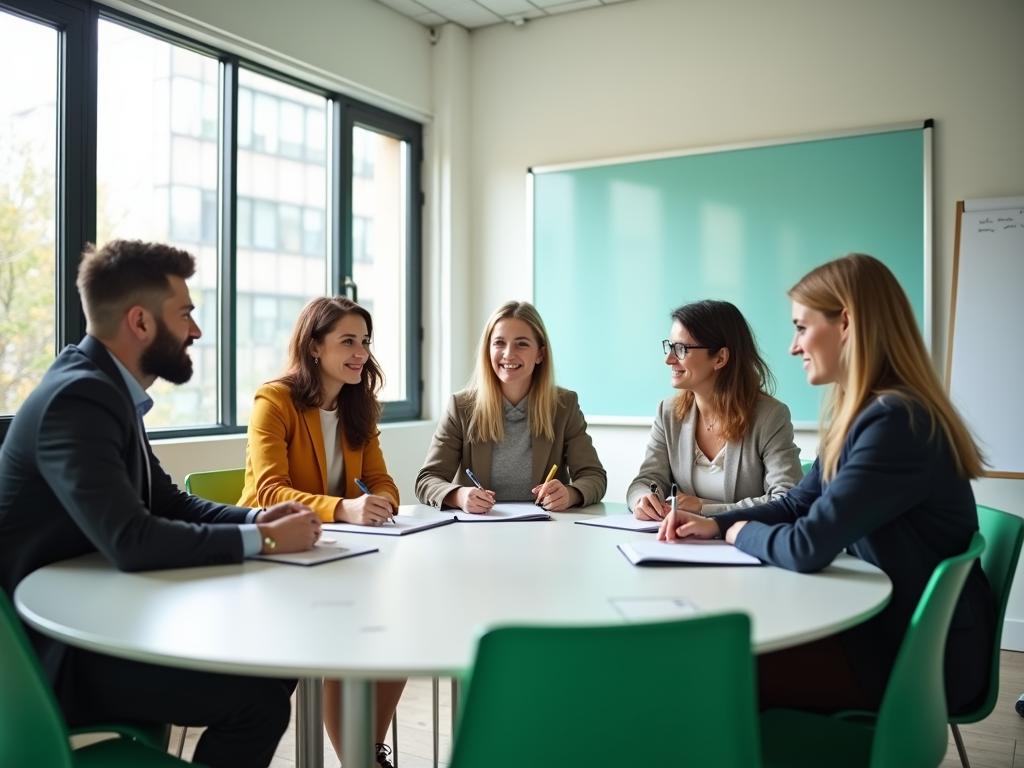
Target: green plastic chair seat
<point>589,697</point>
<point>151,734</point>
<point>910,728</point>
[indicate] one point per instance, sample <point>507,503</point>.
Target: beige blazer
<point>762,466</point>
<point>450,454</point>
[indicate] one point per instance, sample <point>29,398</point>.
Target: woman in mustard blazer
<point>312,434</point>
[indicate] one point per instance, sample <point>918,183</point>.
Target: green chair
<point>32,729</point>
<point>223,486</point>
<point>1003,534</point>
<point>910,728</point>
<point>806,465</point>
<point>593,697</point>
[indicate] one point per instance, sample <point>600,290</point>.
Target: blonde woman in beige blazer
<point>723,434</point>
<point>510,427</point>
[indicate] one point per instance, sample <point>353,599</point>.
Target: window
<point>28,196</point>
<point>314,191</point>
<point>156,179</point>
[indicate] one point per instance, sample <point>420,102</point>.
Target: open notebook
<point>404,524</point>
<point>711,552</point>
<point>505,512</point>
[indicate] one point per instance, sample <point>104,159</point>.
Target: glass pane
<point>282,239</point>
<point>379,224</point>
<point>28,193</point>
<point>156,169</point>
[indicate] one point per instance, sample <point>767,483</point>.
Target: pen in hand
<point>675,501</point>
<point>551,474</point>
<point>362,487</point>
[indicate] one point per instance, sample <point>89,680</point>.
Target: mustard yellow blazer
<point>285,459</point>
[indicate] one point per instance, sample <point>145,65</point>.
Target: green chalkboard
<point>617,246</point>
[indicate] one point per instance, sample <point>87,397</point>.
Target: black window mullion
<point>341,200</point>
<point>228,231</point>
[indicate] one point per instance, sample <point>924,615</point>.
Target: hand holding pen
<point>554,496</point>
<point>476,500</point>
<point>650,506</point>
<point>367,509</point>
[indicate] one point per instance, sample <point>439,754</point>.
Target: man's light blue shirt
<point>251,542</point>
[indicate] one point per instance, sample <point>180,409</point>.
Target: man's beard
<point>167,357</point>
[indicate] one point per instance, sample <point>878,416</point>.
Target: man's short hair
<point>127,273</point>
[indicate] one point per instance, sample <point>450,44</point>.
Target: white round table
<point>414,608</point>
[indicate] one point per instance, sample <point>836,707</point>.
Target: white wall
<point>359,47</point>
<point>657,75</point>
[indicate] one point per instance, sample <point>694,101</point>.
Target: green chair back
<point>593,696</point>
<point>909,730</point>
<point>32,729</point>
<point>223,486</point>
<point>806,465</point>
<point>911,726</point>
<point>1004,534</point>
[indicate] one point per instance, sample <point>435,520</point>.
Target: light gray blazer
<point>451,454</point>
<point>762,466</point>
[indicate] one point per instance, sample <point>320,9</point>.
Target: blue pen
<point>471,476</point>
<point>362,487</point>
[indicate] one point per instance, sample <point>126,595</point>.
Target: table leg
<point>309,718</point>
<point>357,723</point>
<point>455,706</point>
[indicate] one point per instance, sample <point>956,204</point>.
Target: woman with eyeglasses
<point>500,438</point>
<point>891,485</point>
<point>723,441</point>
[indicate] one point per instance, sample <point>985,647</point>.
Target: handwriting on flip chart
<point>1002,222</point>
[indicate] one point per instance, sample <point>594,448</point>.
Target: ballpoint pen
<point>675,501</point>
<point>362,487</point>
<point>471,476</point>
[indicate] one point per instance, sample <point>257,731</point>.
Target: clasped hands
<point>685,525</point>
<point>293,527</point>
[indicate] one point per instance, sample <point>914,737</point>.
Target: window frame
<point>77,103</point>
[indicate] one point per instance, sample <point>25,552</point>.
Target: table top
<point>416,607</point>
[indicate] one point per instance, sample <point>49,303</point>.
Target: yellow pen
<point>551,474</point>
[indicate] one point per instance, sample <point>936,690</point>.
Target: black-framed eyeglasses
<point>679,349</point>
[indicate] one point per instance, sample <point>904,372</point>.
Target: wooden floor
<point>996,742</point>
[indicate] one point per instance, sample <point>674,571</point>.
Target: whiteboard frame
<point>927,126</point>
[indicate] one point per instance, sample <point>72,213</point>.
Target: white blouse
<point>709,475</point>
<point>335,458</point>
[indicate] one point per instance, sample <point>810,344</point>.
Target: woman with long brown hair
<point>723,440</point>
<point>313,434</point>
<point>510,426</point>
<point>891,486</point>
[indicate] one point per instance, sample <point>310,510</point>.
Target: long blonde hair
<point>884,354</point>
<point>487,422</point>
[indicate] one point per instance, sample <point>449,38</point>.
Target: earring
<point>316,361</point>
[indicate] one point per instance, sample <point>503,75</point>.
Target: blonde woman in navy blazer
<point>891,486</point>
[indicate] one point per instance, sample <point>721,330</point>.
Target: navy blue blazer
<point>897,502</point>
<point>73,481</point>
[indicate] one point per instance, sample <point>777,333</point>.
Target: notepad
<point>641,609</point>
<point>321,553</point>
<point>709,552</point>
<point>402,525</point>
<point>623,523</point>
<point>506,512</point>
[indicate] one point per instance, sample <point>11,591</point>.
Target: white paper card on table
<point>635,609</point>
<point>402,525</point>
<point>708,552</point>
<point>505,511</point>
<point>623,523</point>
<point>321,553</point>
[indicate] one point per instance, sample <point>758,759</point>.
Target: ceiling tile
<point>430,19</point>
<point>508,8</point>
<point>471,15</point>
<point>441,5</point>
<point>565,7</point>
